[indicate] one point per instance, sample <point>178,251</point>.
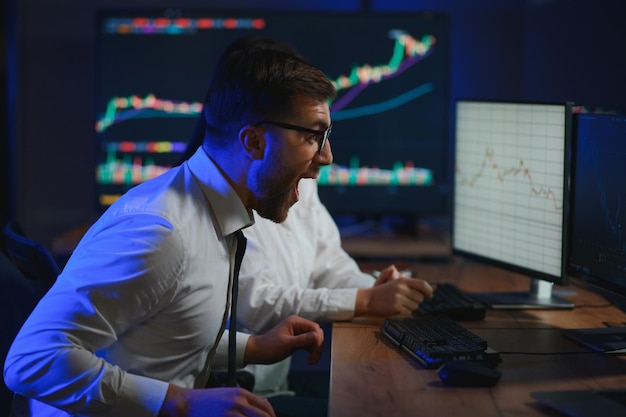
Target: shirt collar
<point>229,210</point>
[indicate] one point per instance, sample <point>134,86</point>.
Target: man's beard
<point>276,199</point>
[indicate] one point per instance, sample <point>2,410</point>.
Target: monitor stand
<point>539,296</point>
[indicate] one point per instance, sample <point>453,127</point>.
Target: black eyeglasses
<point>323,134</point>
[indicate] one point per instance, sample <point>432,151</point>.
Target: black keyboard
<point>436,339</point>
<point>448,299</point>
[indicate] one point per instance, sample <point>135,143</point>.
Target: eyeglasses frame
<point>324,134</point>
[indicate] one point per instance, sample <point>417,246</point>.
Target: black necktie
<point>232,329</point>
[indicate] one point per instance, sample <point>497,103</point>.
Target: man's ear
<point>252,141</point>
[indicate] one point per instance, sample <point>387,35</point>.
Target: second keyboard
<point>451,301</point>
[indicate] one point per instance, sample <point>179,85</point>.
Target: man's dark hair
<point>253,82</point>
<point>242,43</point>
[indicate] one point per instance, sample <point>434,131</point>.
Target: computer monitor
<point>390,139</point>
<point>597,246</point>
<point>510,194</point>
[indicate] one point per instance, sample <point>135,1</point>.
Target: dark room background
<point>549,50</point>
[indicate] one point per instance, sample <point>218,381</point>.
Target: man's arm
<point>300,268</point>
<point>292,334</point>
<point>54,357</point>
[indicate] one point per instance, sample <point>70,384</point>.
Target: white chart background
<point>508,200</point>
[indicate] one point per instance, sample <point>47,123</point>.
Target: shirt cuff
<point>340,304</point>
<point>242,341</point>
<point>220,361</point>
<point>142,396</point>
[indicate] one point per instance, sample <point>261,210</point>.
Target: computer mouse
<point>468,373</point>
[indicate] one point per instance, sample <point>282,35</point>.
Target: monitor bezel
<point>613,291</point>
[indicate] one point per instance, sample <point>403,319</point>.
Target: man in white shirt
<point>299,267</point>
<point>134,322</point>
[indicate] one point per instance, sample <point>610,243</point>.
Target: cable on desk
<point>555,353</point>
<point>607,305</point>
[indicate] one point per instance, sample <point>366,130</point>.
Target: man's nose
<point>326,157</point>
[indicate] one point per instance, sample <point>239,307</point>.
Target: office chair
<point>30,257</point>
<point>18,297</point>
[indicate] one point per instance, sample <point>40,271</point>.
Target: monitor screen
<point>597,245</point>
<point>510,189</point>
<point>389,140</point>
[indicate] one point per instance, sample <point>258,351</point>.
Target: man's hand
<point>388,274</point>
<point>392,295</point>
<point>282,340</point>
<point>182,402</point>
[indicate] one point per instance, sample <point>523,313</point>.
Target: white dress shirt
<point>295,267</point>
<point>140,304</point>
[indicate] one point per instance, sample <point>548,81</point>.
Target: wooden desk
<point>370,377</point>
<point>429,244</point>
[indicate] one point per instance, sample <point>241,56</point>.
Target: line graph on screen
<point>406,52</point>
